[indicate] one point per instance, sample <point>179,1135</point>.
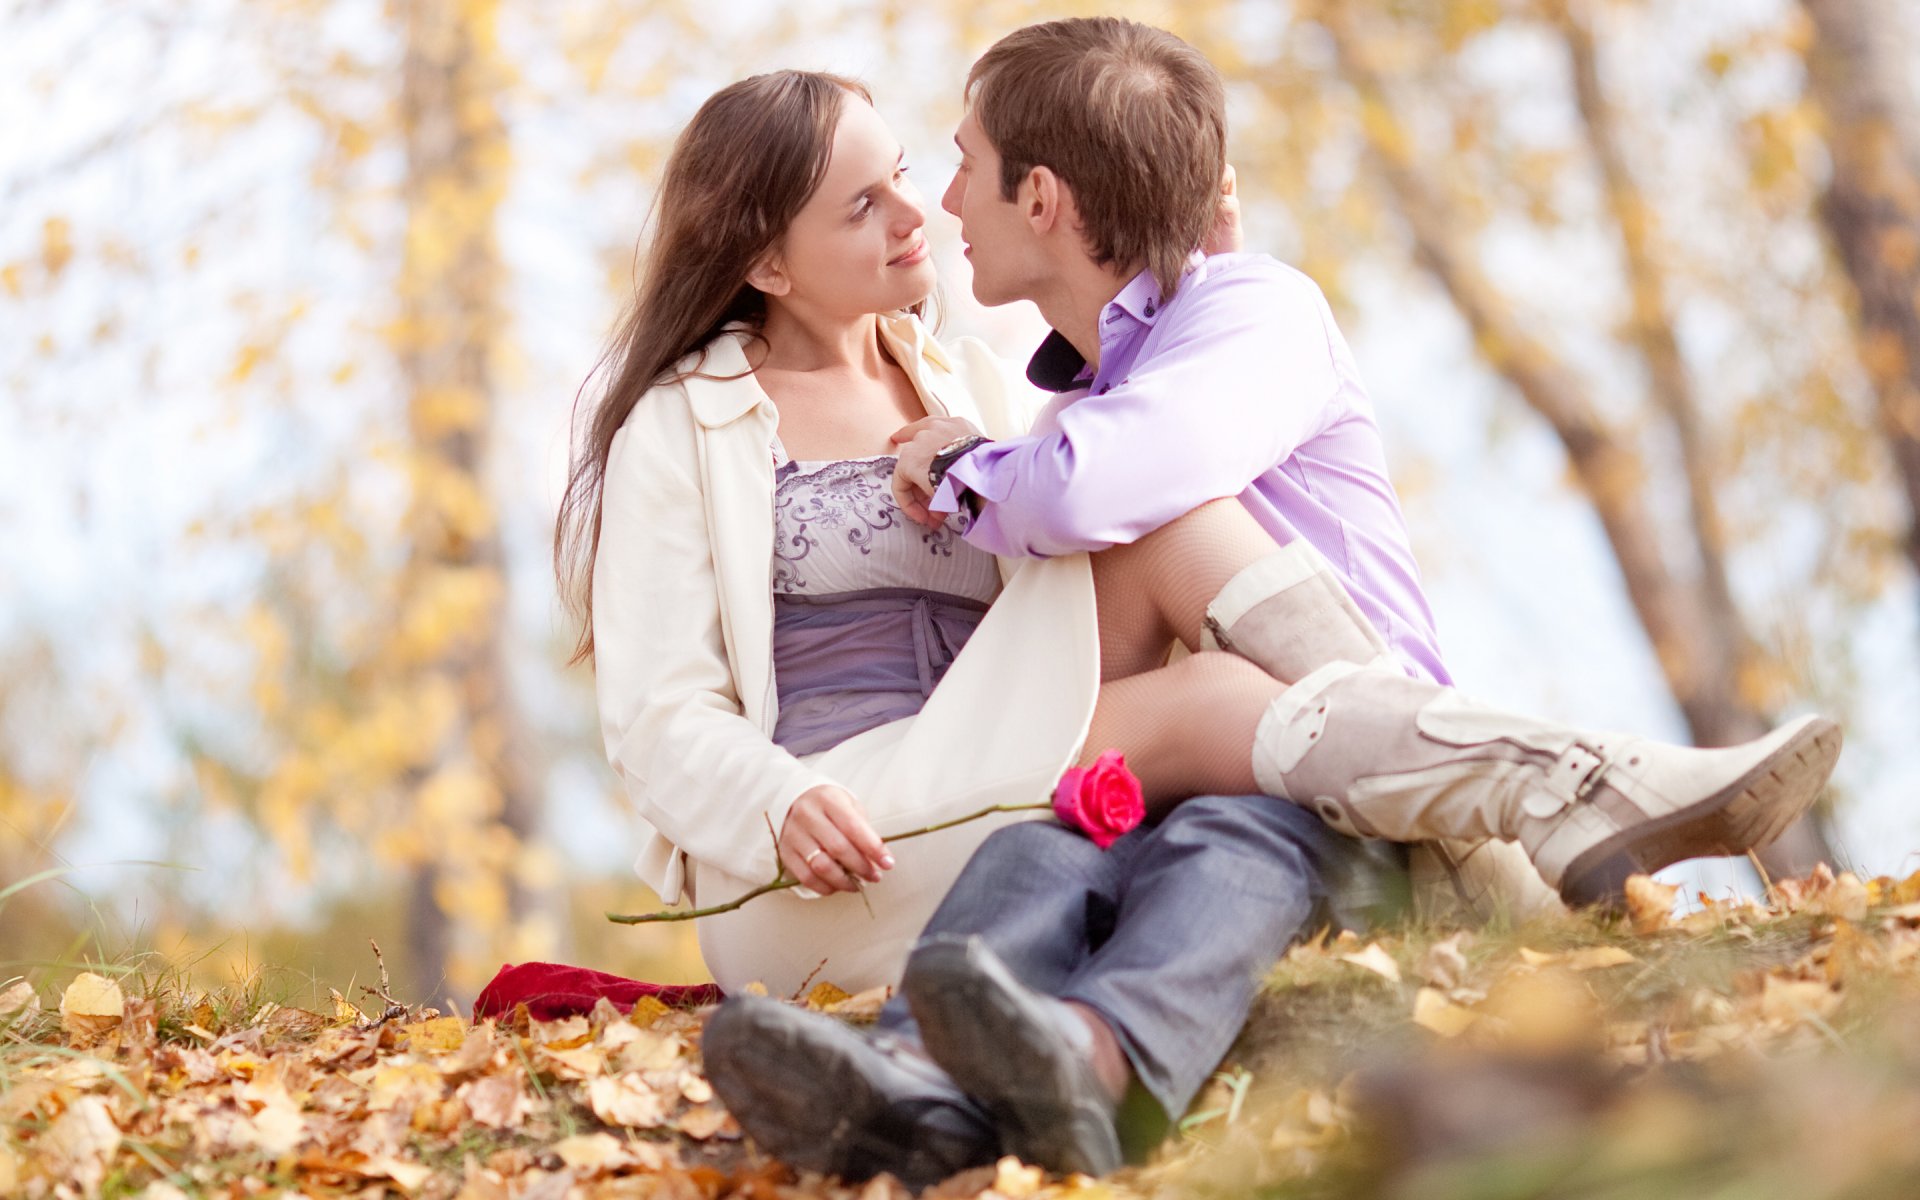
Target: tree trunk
<point>453,599</point>
<point>1679,615</point>
<point>1859,76</point>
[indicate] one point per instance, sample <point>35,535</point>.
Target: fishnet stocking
<point>1186,728</point>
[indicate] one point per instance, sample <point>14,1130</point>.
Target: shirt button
<point>1149,308</point>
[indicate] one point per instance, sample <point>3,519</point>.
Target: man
<point>1092,152</point>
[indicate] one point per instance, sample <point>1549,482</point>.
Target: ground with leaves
<point>1742,1049</point>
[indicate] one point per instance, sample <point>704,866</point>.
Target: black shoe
<point>1024,1055</point>
<point>824,1097</point>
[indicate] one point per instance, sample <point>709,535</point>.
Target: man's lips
<point>917,254</point>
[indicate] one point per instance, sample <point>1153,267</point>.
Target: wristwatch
<point>951,453</point>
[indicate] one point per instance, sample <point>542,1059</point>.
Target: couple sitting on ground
<point>843,581</point>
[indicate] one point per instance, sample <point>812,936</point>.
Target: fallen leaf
<point>403,1083</point>
<point>592,1153</point>
<point>345,1010</point>
<point>1016,1180</point>
<point>1788,1001</point>
<point>1432,1010</point>
<point>708,1121</point>
<point>410,1176</point>
<point>1846,898</point>
<point>1443,965</point>
<point>1595,958</point>
<point>497,1101</point>
<point>9,1172</point>
<point>864,1006</point>
<point>647,1010</point>
<point>1537,958</point>
<point>627,1101</point>
<point>78,1145</point>
<point>442,1035</point>
<point>19,997</point>
<point>91,1007</point>
<point>1649,903</point>
<point>824,995</point>
<point>694,1088</point>
<point>1374,959</point>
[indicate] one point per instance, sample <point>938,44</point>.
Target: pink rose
<point>1102,801</point>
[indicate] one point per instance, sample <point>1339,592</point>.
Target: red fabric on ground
<point>554,990</point>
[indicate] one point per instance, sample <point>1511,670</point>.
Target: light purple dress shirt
<point>1240,385</point>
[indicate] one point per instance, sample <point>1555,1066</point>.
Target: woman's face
<point>859,244</point>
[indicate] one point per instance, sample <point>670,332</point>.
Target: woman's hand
<point>827,845</point>
<point>918,443</point>
<point>1226,236</point>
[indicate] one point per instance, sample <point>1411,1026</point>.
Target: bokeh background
<point>296,298</point>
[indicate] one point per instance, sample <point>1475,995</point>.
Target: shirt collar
<point>1056,366</point>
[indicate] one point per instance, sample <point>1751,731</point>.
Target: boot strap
<point>1572,778</point>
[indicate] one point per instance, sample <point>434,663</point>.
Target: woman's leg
<point>1379,753</point>
<point>1155,591</point>
<point>1187,729</point>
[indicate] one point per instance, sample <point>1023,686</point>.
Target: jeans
<point>1168,932</point>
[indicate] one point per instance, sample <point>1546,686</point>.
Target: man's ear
<point>768,274</point>
<point>1041,193</point>
<point>1048,202</point>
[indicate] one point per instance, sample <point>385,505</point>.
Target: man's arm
<point>1242,377</point>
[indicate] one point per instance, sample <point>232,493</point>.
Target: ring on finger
<point>817,852</point>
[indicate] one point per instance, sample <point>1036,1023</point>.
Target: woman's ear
<point>768,274</point>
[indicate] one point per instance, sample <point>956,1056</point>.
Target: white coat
<point>683,634</point>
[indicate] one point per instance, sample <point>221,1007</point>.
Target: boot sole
<point>801,1096</point>
<point>1748,814</point>
<point>980,1025</point>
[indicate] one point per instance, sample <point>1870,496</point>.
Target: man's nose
<point>950,199</point>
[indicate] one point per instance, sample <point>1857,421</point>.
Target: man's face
<point>999,242</point>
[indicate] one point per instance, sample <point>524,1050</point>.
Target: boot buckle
<point>1571,780</point>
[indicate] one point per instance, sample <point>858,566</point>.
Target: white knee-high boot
<point>1380,754</point>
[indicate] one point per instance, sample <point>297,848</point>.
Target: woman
<point>743,439</point>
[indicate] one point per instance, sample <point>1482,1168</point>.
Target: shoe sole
<point>1747,814</point>
<point>804,1100</point>
<point>976,1022</point>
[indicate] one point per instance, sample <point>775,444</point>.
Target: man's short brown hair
<point>1128,116</point>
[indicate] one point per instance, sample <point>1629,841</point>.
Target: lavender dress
<point>870,609</point>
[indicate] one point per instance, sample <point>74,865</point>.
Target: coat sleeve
<point>694,766</point>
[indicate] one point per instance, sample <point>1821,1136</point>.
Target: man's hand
<point>827,845</point>
<point>1226,236</point>
<point>918,443</point>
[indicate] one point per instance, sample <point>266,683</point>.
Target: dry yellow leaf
<point>404,1083</point>
<point>591,1153</point>
<point>1537,958</point>
<point>708,1121</point>
<point>864,1006</point>
<point>438,1036</point>
<point>1016,1180</point>
<point>9,1172</point>
<point>78,1145</point>
<point>1649,903</point>
<point>91,1007</point>
<point>824,995</point>
<point>497,1101</point>
<point>410,1176</point>
<point>1432,1010</point>
<point>19,997</point>
<point>1443,965</point>
<point>1374,959</point>
<point>647,1010</point>
<point>1788,1001</point>
<point>1595,958</point>
<point>627,1101</point>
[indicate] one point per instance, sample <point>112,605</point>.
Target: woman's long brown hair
<point>739,173</point>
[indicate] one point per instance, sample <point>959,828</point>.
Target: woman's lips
<point>915,255</point>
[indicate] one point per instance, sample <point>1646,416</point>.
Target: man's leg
<point>1211,898</point>
<point>826,1097</point>
<point>1037,893</point>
